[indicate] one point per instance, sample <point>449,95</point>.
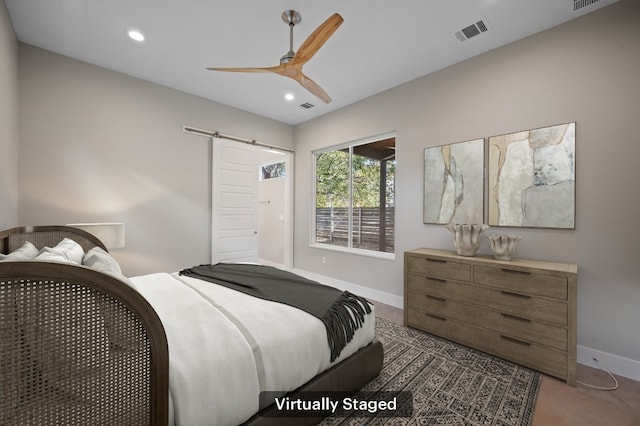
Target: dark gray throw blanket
<point>341,312</point>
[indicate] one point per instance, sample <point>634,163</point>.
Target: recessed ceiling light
<point>136,35</point>
<point>289,96</point>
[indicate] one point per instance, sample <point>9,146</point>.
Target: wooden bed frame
<point>134,384</point>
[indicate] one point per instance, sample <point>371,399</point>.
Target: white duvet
<point>225,347</point>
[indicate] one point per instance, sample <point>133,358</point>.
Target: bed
<point>84,345</point>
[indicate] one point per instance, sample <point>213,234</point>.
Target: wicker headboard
<point>40,236</point>
<point>77,346</point>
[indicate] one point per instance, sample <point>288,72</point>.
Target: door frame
<point>287,261</point>
<point>288,211</point>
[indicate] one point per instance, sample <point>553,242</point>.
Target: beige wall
<point>8,122</point>
<point>587,71</point>
<point>96,145</point>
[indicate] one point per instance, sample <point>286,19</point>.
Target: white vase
<point>503,246</point>
<point>466,237</point>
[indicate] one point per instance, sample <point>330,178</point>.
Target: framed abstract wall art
<point>532,178</point>
<point>454,183</point>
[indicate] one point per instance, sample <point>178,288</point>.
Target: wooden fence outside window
<point>332,227</point>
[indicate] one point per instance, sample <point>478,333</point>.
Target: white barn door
<point>234,202</point>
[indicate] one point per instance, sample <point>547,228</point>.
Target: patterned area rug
<point>450,384</point>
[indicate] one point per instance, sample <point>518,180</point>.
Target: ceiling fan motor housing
<point>288,57</point>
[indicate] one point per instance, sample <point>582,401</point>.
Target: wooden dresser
<point>520,310</point>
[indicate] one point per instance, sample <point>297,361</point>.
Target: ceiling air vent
<point>579,4</point>
<point>306,105</point>
<point>473,30</point>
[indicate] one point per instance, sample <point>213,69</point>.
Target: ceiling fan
<point>292,62</point>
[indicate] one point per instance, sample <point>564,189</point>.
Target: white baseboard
<point>616,364</point>
<point>369,293</point>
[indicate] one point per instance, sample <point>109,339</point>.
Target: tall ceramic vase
<point>466,237</point>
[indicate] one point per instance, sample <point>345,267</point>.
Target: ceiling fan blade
<point>313,87</point>
<point>276,69</point>
<point>314,42</point>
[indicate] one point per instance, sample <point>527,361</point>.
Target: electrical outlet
<point>324,260</point>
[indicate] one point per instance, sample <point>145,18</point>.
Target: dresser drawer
<point>521,281</point>
<point>522,305</point>
<point>439,268</point>
<point>522,352</point>
<point>513,325</point>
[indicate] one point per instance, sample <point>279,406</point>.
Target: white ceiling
<point>380,45</point>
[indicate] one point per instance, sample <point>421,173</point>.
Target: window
<point>355,195</point>
<point>272,170</point>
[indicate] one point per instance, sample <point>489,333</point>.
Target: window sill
<point>356,251</point>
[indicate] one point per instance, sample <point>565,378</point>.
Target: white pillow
<point>47,254</point>
<point>66,250</point>
<point>100,260</point>
<point>27,252</point>
<point>71,250</point>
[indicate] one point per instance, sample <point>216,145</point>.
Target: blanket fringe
<point>343,318</point>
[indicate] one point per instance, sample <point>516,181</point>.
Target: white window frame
<point>312,236</point>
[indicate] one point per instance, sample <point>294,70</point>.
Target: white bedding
<point>225,347</point>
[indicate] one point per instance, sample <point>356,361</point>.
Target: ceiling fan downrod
<point>291,18</point>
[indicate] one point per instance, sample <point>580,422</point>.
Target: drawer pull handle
<point>440,280</point>
<point>439,318</point>
<point>509,293</point>
<point>513,271</point>
<point>439,299</point>
<point>511,339</point>
<point>515,317</point>
<point>436,260</point>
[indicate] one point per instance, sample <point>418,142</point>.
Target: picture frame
<point>454,183</point>
<point>531,178</point>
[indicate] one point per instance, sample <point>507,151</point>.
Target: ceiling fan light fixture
<point>136,35</point>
